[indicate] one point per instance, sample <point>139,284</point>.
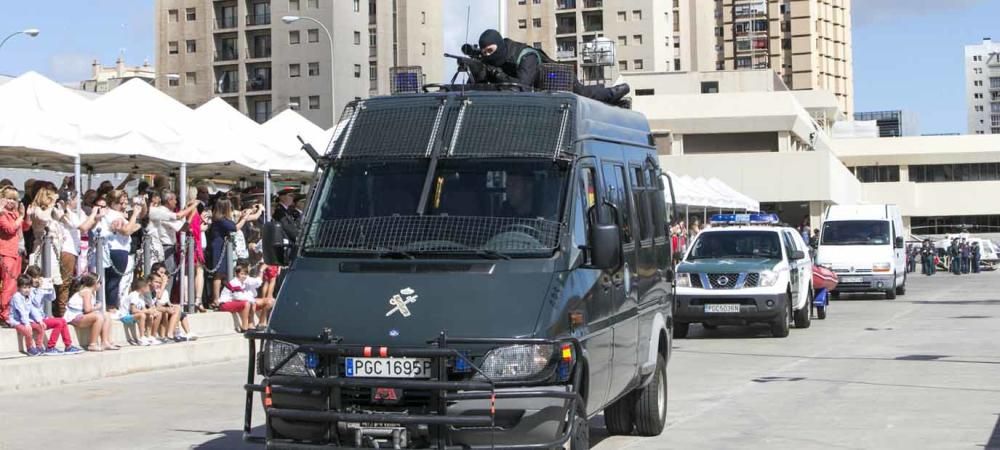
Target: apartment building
<point>807,42</point>
<point>895,123</point>
<point>982,87</point>
<point>104,79</point>
<point>243,52</point>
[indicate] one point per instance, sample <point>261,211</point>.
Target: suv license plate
<point>852,279</point>
<point>722,308</point>
<point>388,367</point>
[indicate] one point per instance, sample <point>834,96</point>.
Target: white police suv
<point>744,269</point>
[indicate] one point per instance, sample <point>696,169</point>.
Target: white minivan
<point>865,246</point>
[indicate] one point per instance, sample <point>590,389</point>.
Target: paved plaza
<point>919,372</point>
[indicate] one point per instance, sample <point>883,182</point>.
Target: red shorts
<point>233,306</point>
<point>271,273</point>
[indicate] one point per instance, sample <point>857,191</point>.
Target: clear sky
<point>908,54</point>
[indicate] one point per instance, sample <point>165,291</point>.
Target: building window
<point>677,64</point>
<point>622,66</point>
<point>294,70</point>
<point>191,14</point>
<point>172,48</point>
<point>709,87</point>
<point>191,78</point>
<point>313,34</point>
<point>955,224</point>
<point>536,22</point>
<point>294,103</point>
<point>357,7</point>
<point>644,92</point>
<point>979,108</point>
<point>192,46</point>
<point>537,2</point>
<point>637,39</point>
<point>950,173</point>
<point>172,16</point>
<point>995,107</point>
<point>786,43</point>
<point>357,38</point>
<point>522,2</point>
<point>372,71</point>
<point>314,69</point>
<point>314,4</point>
<point>357,71</point>
<point>978,70</point>
<point>293,5</point>
<point>423,17</point>
<point>637,14</point>
<point>743,62</point>
<point>314,99</point>
<point>977,83</point>
<point>622,16</point>
<point>293,37</point>
<point>877,174</point>
<point>622,41</point>
<point>522,23</point>
<point>173,80</point>
<point>537,45</point>
<point>637,64</point>
<point>977,95</point>
<point>423,49</point>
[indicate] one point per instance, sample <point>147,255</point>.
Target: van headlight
<point>768,278</point>
<point>274,352</point>
<point>881,267</point>
<point>684,280</point>
<point>516,362</point>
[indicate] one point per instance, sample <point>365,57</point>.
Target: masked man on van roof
<point>520,63</point>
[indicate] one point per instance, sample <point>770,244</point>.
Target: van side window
<point>587,199</point>
<point>659,205</point>
<point>789,244</point>
<point>640,194</point>
<point>614,181</point>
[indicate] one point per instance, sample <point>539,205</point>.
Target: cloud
<point>482,15</point>
<point>870,12</point>
<point>70,67</point>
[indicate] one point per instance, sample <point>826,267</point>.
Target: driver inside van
<point>520,199</point>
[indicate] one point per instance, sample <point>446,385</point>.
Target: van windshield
<point>487,207</point>
<point>736,244</point>
<point>856,232</point>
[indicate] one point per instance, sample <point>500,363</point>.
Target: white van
<point>864,245</point>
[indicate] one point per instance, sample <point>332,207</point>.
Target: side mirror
<point>798,255</point>
<point>275,243</point>
<point>605,246</point>
<point>899,242</point>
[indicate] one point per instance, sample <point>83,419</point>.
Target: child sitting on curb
<point>57,325</point>
<point>20,318</point>
<point>237,296</point>
<point>146,319</point>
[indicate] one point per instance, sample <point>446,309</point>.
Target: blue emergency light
<point>745,219</point>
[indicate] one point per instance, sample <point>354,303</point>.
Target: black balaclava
<point>488,38</point>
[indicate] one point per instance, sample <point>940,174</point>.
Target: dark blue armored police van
<point>475,270</point>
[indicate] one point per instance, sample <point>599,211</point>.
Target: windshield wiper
<point>394,254</point>
<point>492,254</point>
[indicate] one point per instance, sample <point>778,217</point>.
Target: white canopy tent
<point>39,124</point>
<point>289,125</point>
<point>707,195</point>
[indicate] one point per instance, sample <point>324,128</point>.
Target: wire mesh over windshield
<point>434,234</point>
<point>400,128</point>
<point>530,127</point>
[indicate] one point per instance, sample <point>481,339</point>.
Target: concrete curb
<point>48,371</point>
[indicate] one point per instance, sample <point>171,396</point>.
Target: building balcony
<point>568,53</point>
<point>258,19</point>
<point>260,117</point>
<point>258,52</point>
<point>227,86</point>
<point>566,4</point>
<point>228,54</point>
<point>593,4</point>
<point>566,28</point>
<point>259,84</point>
<point>225,23</point>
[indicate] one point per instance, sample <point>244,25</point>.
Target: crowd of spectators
<point>138,224</point>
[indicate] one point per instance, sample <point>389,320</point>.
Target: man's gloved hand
<point>477,70</point>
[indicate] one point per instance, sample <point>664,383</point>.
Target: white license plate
<point>388,367</point>
<point>722,308</point>
<point>852,279</point>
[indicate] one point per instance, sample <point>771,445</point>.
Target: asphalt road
<point>919,372</point>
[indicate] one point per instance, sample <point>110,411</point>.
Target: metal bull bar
<point>443,391</point>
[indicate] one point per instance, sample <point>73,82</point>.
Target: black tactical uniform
<point>520,63</point>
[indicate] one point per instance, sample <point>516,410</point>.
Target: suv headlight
<point>684,280</point>
<point>881,267</point>
<point>768,278</point>
<point>274,352</point>
<point>516,362</point>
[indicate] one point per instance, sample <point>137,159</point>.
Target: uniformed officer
<point>976,257</point>
<point>520,63</point>
<point>966,255</point>
<point>956,257</point>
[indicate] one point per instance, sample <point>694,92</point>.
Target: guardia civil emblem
<point>400,302</point>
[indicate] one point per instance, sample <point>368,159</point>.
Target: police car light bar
<point>745,219</point>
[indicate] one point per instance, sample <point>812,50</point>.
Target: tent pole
<point>77,184</point>
<point>182,201</point>
<point>267,196</point>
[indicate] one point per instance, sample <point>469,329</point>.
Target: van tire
<point>890,294</point>
<point>618,417</point>
<point>779,327</point>
<point>580,440</point>
<point>651,402</point>
<point>681,330</point>
<point>901,289</point>
<point>802,316</point>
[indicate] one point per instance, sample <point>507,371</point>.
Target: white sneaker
<point>192,336</point>
<point>154,341</point>
<point>144,341</point>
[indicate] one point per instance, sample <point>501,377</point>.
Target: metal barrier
<point>188,258</point>
<point>47,263</point>
<point>97,245</point>
<point>147,252</point>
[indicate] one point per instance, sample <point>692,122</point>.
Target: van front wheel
<point>580,440</point>
<point>651,404</point>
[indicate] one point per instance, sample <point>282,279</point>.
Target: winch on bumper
<point>325,409</point>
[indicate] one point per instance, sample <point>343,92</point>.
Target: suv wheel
<point>802,319</point>
<point>580,440</point>
<point>780,327</point>
<point>618,417</point>
<point>651,404</point>
<point>681,330</point>
<point>901,289</point>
